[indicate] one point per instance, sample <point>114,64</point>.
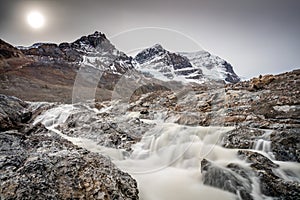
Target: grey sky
<point>255,36</point>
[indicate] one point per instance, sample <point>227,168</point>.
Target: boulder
<point>40,164</point>
<point>226,179</point>
<point>286,145</point>
<point>241,138</point>
<point>271,184</point>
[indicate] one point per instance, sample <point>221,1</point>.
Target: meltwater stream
<point>166,162</point>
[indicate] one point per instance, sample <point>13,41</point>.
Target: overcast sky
<point>255,36</point>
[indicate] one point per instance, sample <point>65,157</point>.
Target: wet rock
<point>42,165</point>
<point>144,112</point>
<point>188,119</point>
<point>286,145</point>
<point>271,183</point>
<point>226,179</point>
<point>258,160</point>
<point>241,138</point>
<point>109,129</point>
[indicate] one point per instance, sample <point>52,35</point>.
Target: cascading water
<point>166,162</point>
<point>264,143</point>
<point>58,115</point>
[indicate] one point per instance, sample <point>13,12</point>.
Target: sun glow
<point>35,19</point>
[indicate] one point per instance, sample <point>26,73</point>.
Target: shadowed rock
<point>226,179</point>
<point>42,165</point>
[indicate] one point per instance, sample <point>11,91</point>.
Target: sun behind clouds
<point>35,19</point>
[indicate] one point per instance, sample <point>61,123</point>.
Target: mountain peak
<point>94,39</point>
<point>157,46</point>
<point>149,53</point>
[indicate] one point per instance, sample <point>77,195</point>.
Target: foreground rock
<point>13,113</point>
<point>105,128</point>
<point>241,137</point>
<point>271,183</point>
<point>38,164</point>
<point>286,145</point>
<point>239,184</point>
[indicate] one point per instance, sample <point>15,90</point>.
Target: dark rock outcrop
<point>271,183</point>
<point>226,179</point>
<point>286,145</point>
<point>38,164</point>
<point>241,138</point>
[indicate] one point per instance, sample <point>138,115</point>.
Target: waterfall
<point>166,162</point>
<point>263,145</point>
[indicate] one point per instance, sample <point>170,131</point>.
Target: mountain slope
<point>47,71</point>
<point>213,67</point>
<point>187,67</point>
<point>165,65</point>
<point>8,51</point>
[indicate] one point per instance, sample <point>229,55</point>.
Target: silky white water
<point>166,162</point>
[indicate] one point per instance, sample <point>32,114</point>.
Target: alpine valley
<point>83,120</point>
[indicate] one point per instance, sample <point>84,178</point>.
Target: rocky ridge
<point>49,70</point>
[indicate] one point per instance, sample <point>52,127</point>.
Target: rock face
<point>275,105</point>
<point>39,164</point>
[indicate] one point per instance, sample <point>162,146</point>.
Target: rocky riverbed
<point>240,141</point>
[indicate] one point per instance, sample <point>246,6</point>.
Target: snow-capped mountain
<point>212,67</point>
<point>45,67</point>
<point>187,67</point>
<point>94,50</point>
<point>97,51</point>
<point>165,65</point>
